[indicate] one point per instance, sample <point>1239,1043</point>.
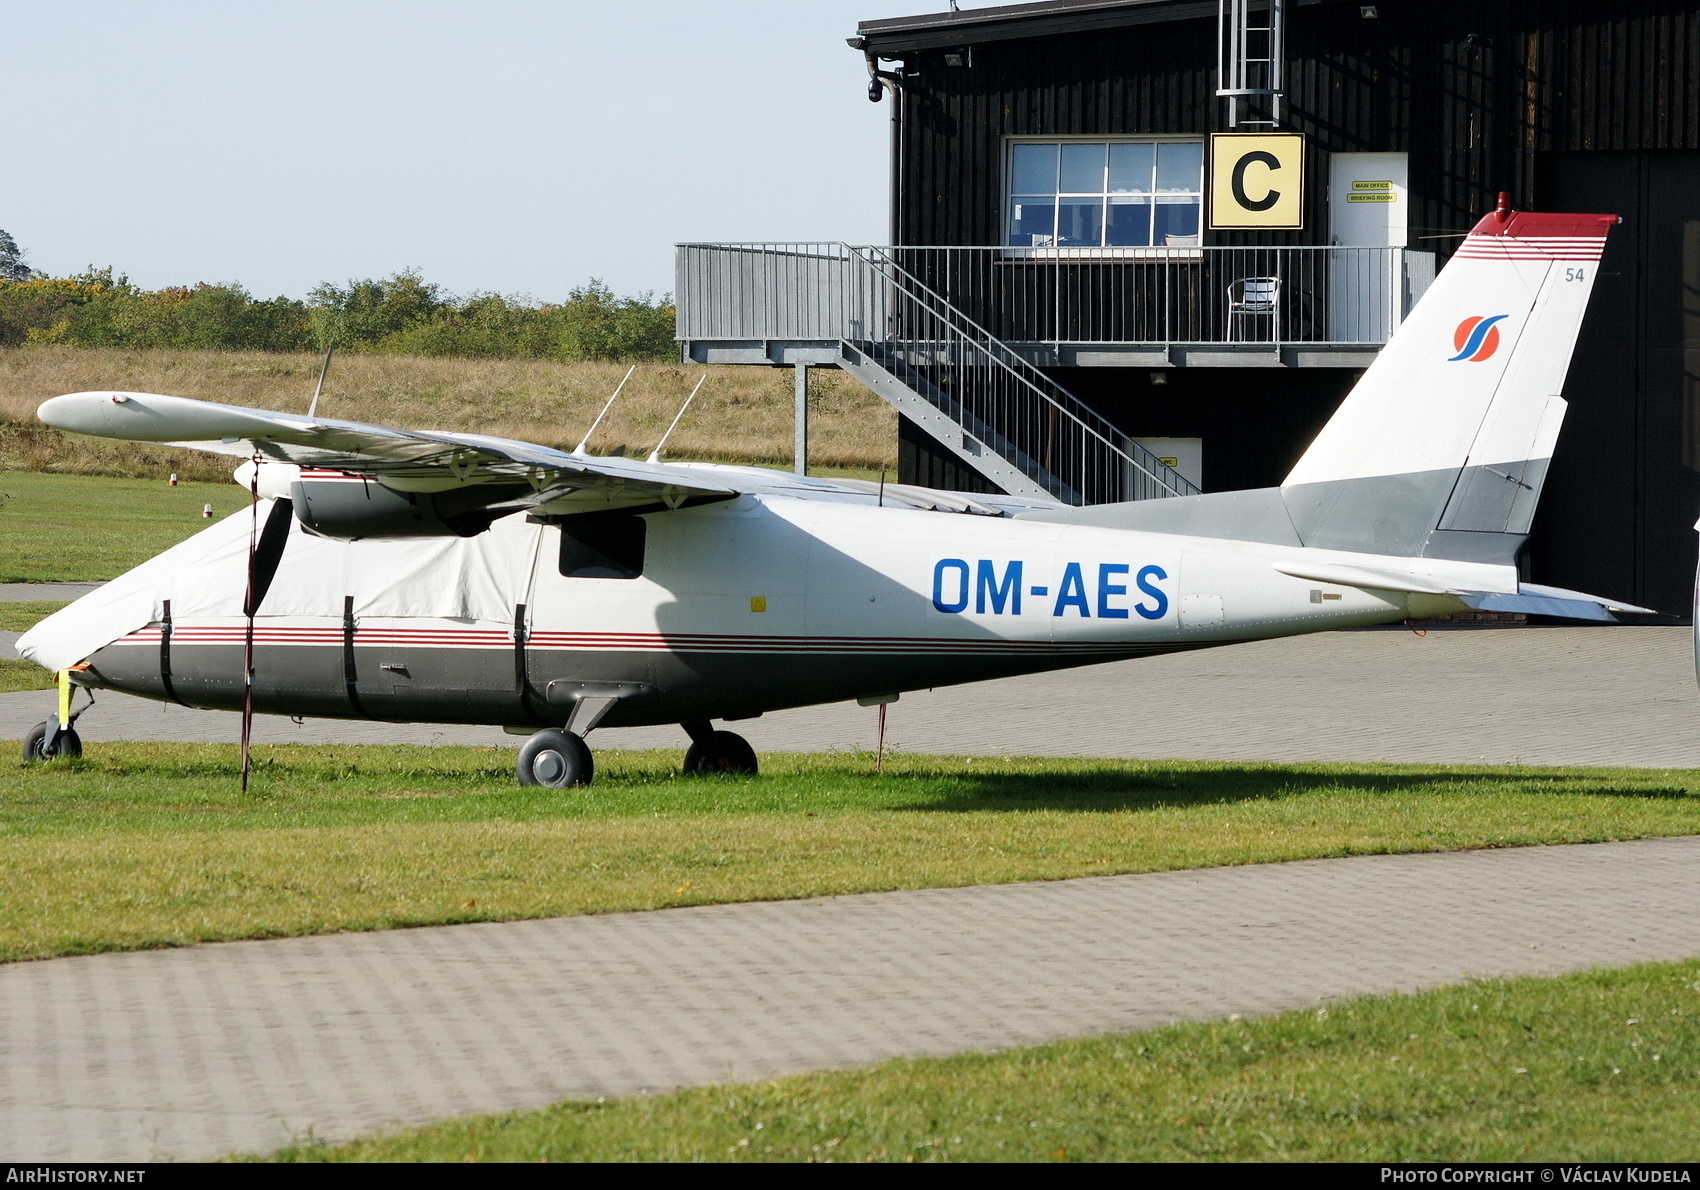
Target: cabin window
<point>602,546</point>
<point>1105,194</point>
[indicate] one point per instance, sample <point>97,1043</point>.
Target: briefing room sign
<point>1256,180</point>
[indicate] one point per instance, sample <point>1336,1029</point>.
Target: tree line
<point>399,315</point>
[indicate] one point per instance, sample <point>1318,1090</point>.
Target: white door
<point>1185,455</point>
<point>1367,201</point>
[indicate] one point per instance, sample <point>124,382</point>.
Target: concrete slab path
<point>32,592</point>
<point>242,1046</point>
<point>1600,696</point>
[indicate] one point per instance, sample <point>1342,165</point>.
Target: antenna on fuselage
<point>579,449</point>
<point>313,405</point>
<point>655,455</point>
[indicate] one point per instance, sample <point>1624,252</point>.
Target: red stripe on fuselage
<point>188,635</point>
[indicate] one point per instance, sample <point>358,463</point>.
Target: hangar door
<point>1618,511</point>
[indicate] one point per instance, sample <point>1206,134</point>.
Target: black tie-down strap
<point>165,656</point>
<point>350,671</point>
<point>522,680</point>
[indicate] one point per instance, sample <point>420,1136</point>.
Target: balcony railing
<point>860,309</point>
<point>1056,305</point>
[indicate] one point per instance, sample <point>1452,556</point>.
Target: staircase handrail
<point>1003,355</point>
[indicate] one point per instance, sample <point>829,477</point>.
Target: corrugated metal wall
<point>1484,97</point>
<point>1472,90</point>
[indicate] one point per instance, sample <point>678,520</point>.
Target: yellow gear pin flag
<point>1257,180</point>
<point>64,699</point>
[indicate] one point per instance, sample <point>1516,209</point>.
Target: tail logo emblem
<point>1476,338</point>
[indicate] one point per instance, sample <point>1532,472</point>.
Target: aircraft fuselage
<point>752,605</point>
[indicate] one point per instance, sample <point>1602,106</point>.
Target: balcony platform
<point>825,353</point>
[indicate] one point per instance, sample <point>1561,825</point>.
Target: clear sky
<point>519,146</point>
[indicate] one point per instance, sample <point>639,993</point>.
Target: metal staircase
<point>922,355</point>
<point>978,398</point>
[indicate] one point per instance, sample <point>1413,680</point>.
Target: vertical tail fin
<point>1442,447</point>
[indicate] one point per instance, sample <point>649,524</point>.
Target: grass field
<point>79,527</point>
<point>742,414</point>
<point>15,673</point>
<point>22,615</point>
<point>1601,1066</point>
<point>144,845</point>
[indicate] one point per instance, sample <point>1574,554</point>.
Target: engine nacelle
<point>349,508</point>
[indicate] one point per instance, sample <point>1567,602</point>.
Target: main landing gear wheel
<point>556,759</point>
<point>718,752</point>
<point>38,746</point>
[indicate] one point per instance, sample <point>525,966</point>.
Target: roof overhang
<point>1010,22</point>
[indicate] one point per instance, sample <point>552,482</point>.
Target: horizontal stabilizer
<point>1533,599</point>
<point>1363,576</point>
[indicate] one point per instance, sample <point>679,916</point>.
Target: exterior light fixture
<point>1368,11</point>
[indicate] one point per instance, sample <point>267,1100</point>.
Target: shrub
<point>400,315</point>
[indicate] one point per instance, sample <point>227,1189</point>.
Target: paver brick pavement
<point>1552,695</point>
<point>241,1046</point>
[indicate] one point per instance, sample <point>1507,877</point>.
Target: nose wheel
<point>556,760</point>
<point>48,741</point>
<point>57,738</point>
<point>718,751</point>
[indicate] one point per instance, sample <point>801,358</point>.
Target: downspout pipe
<point>881,82</point>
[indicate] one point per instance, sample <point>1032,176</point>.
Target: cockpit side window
<point>602,546</point>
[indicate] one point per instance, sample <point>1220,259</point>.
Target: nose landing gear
<point>48,741</point>
<point>57,738</point>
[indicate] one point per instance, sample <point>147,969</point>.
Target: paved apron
<point>190,1053</point>
<point>1606,695</point>
<point>31,592</point>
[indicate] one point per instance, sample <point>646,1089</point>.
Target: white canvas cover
<point>472,578</point>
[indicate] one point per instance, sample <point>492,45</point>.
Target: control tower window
<point>1105,194</point>
<point>602,546</point>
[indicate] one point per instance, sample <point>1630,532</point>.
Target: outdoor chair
<point>1254,297</point>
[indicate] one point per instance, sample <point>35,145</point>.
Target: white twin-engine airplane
<point>455,578</point>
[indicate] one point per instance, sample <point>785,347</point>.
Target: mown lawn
<point>15,673</point>
<point>86,528</point>
<point>1601,1066</point>
<point>143,845</point>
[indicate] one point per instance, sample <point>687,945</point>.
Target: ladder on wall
<point>1250,59</point>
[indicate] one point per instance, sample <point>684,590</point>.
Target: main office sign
<point>1256,180</point>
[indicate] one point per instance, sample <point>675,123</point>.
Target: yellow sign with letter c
<point>1257,180</point>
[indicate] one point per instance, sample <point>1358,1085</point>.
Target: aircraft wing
<point>534,478</point>
<point>410,457</point>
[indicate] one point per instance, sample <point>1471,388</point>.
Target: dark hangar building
<point>1145,247</point>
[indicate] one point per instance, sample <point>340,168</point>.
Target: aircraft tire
<point>66,744</point>
<point>722,752</point>
<point>556,760</point>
